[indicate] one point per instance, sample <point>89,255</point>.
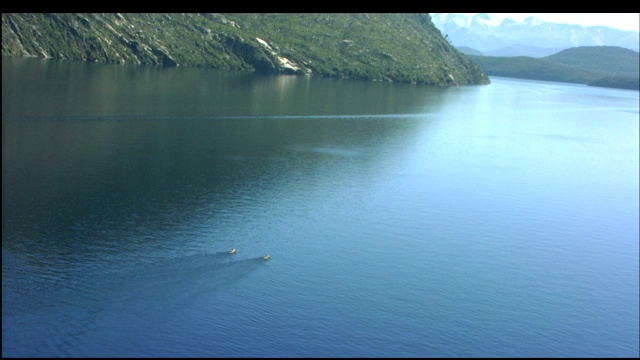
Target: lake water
<point>400,220</point>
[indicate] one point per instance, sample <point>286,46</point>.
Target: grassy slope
<point>394,47</point>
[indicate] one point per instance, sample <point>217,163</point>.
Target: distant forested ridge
<point>605,66</point>
<point>385,47</point>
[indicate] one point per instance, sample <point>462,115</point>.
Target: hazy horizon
<point>620,21</point>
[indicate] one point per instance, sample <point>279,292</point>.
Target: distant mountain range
<point>483,34</point>
<point>604,66</point>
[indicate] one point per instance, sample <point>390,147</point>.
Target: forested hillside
<point>606,66</point>
<point>385,47</point>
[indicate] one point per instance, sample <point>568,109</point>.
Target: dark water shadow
<point>187,275</point>
<point>76,316</point>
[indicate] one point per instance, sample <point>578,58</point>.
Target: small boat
<point>266,257</point>
<point>232,251</point>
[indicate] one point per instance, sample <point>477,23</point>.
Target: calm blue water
<point>401,220</point>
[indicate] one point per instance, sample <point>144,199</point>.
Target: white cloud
<point>622,21</point>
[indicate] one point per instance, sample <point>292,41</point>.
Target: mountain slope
<point>525,67</point>
<point>392,47</point>
<point>597,65</point>
<point>610,59</point>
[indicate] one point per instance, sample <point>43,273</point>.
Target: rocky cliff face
<point>391,47</point>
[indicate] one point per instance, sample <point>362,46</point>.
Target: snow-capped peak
<point>487,20</point>
<point>490,32</point>
<point>533,21</point>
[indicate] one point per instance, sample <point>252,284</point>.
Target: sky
<point>627,21</point>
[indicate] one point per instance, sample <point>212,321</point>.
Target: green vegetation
<point>619,82</point>
<point>606,66</point>
<point>600,59</point>
<point>385,47</point>
<point>524,67</point>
